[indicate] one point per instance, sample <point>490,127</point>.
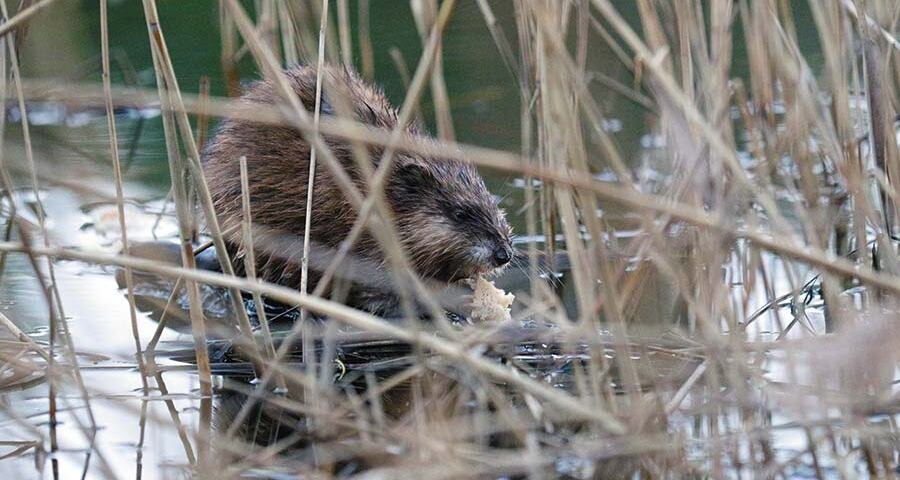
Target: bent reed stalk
<point>756,202</point>
<point>340,313</point>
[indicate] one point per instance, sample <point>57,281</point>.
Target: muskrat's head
<point>450,224</point>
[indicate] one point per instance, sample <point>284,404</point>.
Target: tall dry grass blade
<point>176,420</point>
<point>654,62</point>
<point>250,265</point>
<point>424,12</point>
<point>384,234</point>
<point>58,322</point>
<point>203,115</point>
<point>400,64</point>
<point>289,39</point>
<point>166,71</point>
<point>565,403</point>
<point>317,110</point>
<point>343,10</point>
<point>605,191</point>
<point>123,234</point>
<point>229,52</point>
<point>179,195</point>
<point>365,41</point>
<point>890,38</point>
<point>16,22</point>
<point>18,334</point>
<point>882,128</point>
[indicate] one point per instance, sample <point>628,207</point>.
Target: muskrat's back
<point>448,223</point>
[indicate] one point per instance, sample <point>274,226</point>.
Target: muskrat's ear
<point>367,114</point>
<point>415,176</point>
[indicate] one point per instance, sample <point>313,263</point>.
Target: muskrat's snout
<point>495,251</point>
<point>502,252</point>
<point>502,255</point>
<point>483,256</point>
<point>489,255</point>
<point>479,244</point>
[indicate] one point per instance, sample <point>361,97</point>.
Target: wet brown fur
<point>442,210</point>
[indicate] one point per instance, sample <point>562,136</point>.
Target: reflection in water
<point>359,371</point>
<point>355,369</point>
<point>58,114</point>
<point>355,373</point>
<point>431,407</point>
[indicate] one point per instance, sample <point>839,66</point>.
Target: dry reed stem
<point>693,101</point>
<point>365,42</point>
<point>229,49</point>
<point>502,44</point>
<point>400,65</point>
<point>343,11</point>
<point>179,189</point>
<point>308,357</point>
<point>288,34</point>
<point>425,12</point>
<point>23,16</point>
<point>317,110</point>
<point>163,320</point>
<point>653,61</point>
<point>120,196</point>
<point>120,210</point>
<point>176,420</point>
<point>383,231</point>
<point>165,69</point>
<point>607,191</point>
<point>58,323</point>
<point>203,116</point>
<point>568,405</point>
<point>9,192</point>
<point>22,337</point>
<point>871,23</point>
<point>250,266</point>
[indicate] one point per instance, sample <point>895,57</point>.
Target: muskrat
<point>448,223</point>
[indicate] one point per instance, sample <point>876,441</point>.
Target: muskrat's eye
<point>459,214</point>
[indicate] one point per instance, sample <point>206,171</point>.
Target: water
<point>98,315</point>
<point>71,147</point>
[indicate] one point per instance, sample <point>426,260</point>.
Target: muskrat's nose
<point>501,256</point>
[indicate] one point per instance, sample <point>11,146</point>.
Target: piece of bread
<point>489,303</point>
